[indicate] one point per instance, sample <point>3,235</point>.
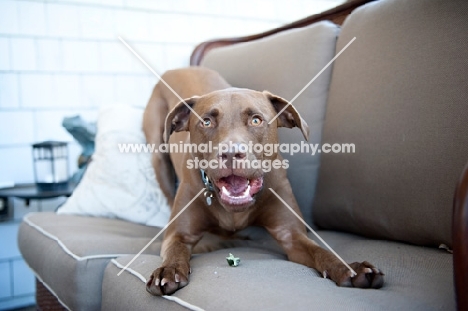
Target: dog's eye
<point>256,121</point>
<point>206,122</point>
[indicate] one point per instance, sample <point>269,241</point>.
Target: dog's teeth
<point>177,278</point>
<point>248,181</point>
<point>163,281</point>
<point>156,282</point>
<point>247,191</point>
<point>225,191</point>
<point>245,194</point>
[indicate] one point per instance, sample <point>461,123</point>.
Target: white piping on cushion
<point>48,287</point>
<point>135,273</point>
<point>63,246</point>
<point>143,279</point>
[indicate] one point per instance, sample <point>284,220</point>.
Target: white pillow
<point>119,185</point>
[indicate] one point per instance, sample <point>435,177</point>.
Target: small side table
<point>28,192</point>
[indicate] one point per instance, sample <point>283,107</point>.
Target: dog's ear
<point>177,120</point>
<point>289,117</point>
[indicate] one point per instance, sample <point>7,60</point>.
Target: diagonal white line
<point>313,79</point>
<point>159,233</point>
<point>315,233</point>
<point>159,77</point>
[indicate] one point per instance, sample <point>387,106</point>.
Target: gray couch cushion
<point>399,94</point>
<point>417,278</point>
<point>283,64</point>
<point>69,253</point>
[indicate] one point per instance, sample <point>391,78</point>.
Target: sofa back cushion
<point>399,93</point>
<point>283,64</point>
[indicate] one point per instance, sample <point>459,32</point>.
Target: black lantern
<point>51,165</point>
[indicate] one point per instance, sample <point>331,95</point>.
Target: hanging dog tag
<point>208,197</point>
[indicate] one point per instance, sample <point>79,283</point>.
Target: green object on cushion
<point>233,261</point>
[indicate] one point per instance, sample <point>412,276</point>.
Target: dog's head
<point>241,126</point>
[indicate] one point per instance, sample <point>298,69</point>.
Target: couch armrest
<point>460,240</point>
<point>336,15</point>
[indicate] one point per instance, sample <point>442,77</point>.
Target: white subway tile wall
<point>23,54</point>
<point>61,58</point>
<point>9,91</point>
<point>4,53</point>
<point>31,18</point>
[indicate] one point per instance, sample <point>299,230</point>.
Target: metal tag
<point>208,195</point>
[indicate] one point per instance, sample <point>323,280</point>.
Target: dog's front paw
<point>166,280</point>
<point>367,276</point>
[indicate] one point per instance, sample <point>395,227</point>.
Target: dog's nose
<point>233,151</point>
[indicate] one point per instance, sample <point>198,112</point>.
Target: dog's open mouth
<point>237,190</point>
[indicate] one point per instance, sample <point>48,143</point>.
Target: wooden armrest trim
<point>336,15</point>
<point>460,240</point>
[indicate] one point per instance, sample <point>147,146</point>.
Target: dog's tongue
<point>236,190</point>
<point>234,184</point>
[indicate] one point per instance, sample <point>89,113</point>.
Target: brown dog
<point>236,196</point>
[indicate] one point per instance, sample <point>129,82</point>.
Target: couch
<point>398,93</point>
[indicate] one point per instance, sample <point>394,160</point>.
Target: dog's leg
<point>291,235</point>
<point>173,274</point>
<point>180,238</point>
<point>153,127</point>
<point>300,249</point>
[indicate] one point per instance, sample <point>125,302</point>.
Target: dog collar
<point>209,187</point>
